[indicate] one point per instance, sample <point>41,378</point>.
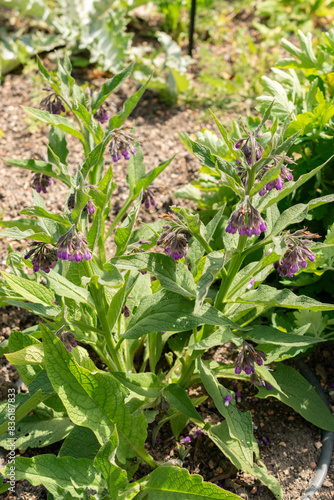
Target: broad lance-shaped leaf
<point>29,290</point>
<point>239,424</point>
<point>41,212</point>
<point>58,121</point>
<point>39,166</point>
<point>94,400</point>
<point>266,335</point>
<point>179,399</point>
<point>172,312</point>
<point>24,404</point>
<point>129,105</point>
<point>145,384</point>
<point>65,288</point>
<point>58,473</point>
<point>171,483</point>
<point>272,297</point>
<point>300,395</point>
<point>231,447</point>
<point>17,234</point>
<point>214,262</point>
<point>275,196</point>
<point>110,86</point>
<point>39,433</point>
<point>115,477</point>
<point>173,276</point>
<point>30,355</point>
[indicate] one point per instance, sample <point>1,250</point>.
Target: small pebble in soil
<point>313,465</point>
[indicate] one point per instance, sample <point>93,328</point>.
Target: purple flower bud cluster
<point>148,198</point>
<point>246,220</point>
<point>174,242</point>
<point>242,144</point>
<point>73,246</point>
<point>40,182</point>
<point>246,361</point>
<point>53,104</point>
<point>296,254</point>
<point>89,207</point>
<point>278,183</point>
<point>121,144</point>
<point>44,256</point>
<point>101,115</point>
<point>68,340</point>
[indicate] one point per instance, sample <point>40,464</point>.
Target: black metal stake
<point>192,27</point>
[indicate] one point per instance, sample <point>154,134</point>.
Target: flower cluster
<point>89,207</point>
<point>285,174</point>
<point>148,198</point>
<point>73,246</point>
<point>40,182</point>
<point>174,239</point>
<point>121,144</point>
<point>68,340</point>
<point>243,145</point>
<point>44,256</point>
<point>101,115</point>
<point>53,104</point>
<point>246,220</point>
<point>296,254</point>
<point>247,359</point>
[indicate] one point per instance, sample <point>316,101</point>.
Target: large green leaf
<point>173,276</point>
<point>129,105</point>
<point>179,399</point>
<point>58,473</point>
<point>37,434</point>
<point>110,86</point>
<point>267,335</point>
<point>171,312</point>
<point>80,443</point>
<point>94,400</point>
<point>57,121</point>
<point>41,212</point>
<point>271,297</point>
<point>300,395</point>
<point>65,288</point>
<point>172,483</point>
<point>231,447</point>
<point>29,290</point>
<point>239,424</point>
<point>115,477</point>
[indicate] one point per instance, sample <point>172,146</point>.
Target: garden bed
<point>294,446</point>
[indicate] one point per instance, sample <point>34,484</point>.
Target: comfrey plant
<point>149,316</point>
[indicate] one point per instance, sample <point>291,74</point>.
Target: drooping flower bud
<point>148,198</point>
<point>73,246</point>
<point>246,361</point>
<point>53,104</point>
<point>174,239</point>
<point>227,400</point>
<point>89,207</point>
<point>43,256</point>
<point>40,182</point>
<point>122,144</point>
<point>126,311</point>
<point>68,340</point>
<point>296,254</point>
<point>101,115</point>
<point>246,220</point>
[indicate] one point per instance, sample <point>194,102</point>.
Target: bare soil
<point>294,444</point>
